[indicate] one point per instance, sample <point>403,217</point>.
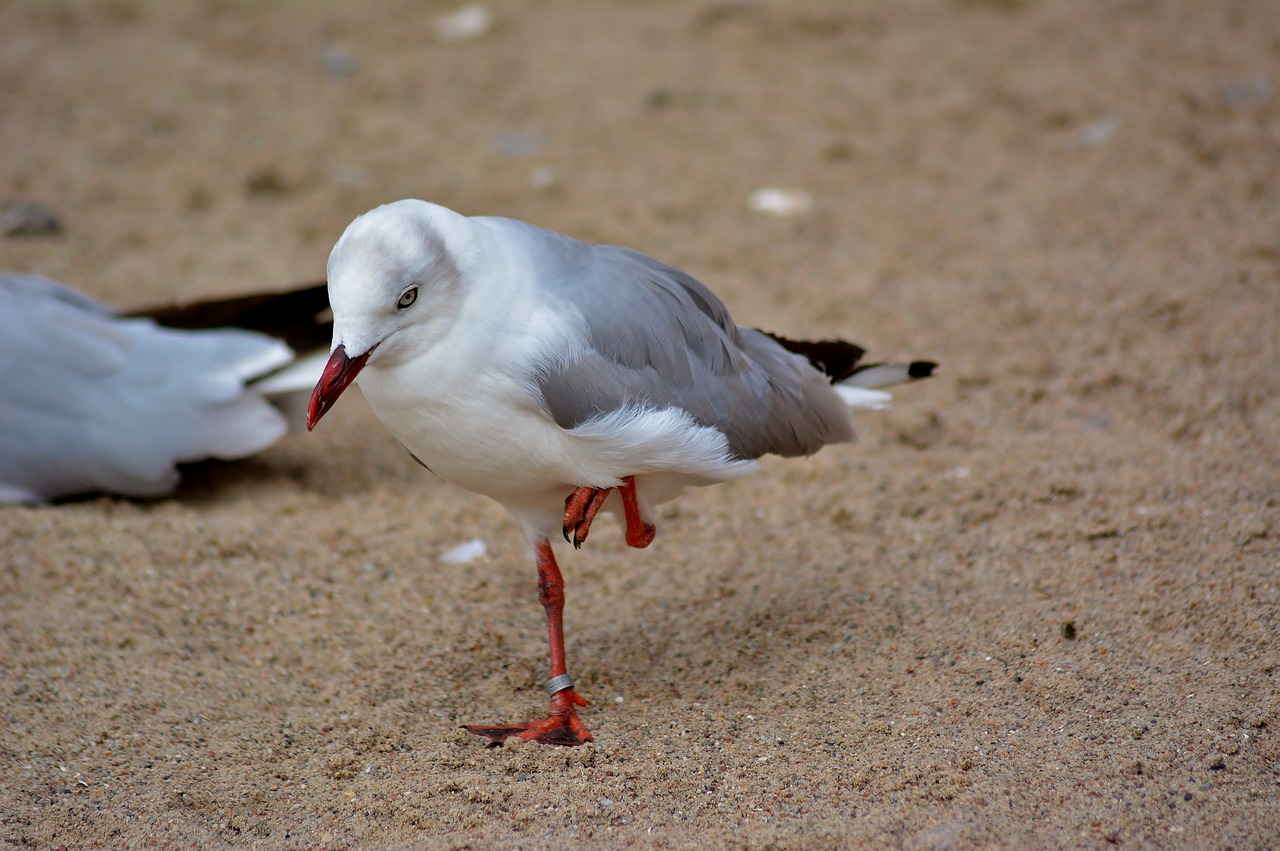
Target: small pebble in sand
<point>772,201</point>
<point>1245,92</point>
<point>464,553</point>
<point>1097,132</point>
<point>28,218</point>
<point>338,62</point>
<point>471,21</point>
<point>542,177</point>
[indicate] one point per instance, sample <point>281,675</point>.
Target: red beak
<point>339,372</point>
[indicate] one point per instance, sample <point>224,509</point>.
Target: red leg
<point>561,726</point>
<point>639,533</point>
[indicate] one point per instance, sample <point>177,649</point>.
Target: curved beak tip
<point>338,374</point>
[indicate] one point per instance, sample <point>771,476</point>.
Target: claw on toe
<point>580,510</point>
<point>496,734</point>
<point>581,507</point>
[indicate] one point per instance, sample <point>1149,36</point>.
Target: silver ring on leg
<point>558,684</point>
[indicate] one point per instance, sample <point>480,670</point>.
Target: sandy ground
<point>1036,605</point>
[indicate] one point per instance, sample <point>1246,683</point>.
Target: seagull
<point>563,378</point>
<point>96,401</point>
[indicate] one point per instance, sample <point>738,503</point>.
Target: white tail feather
<point>862,399</point>
<point>881,375</point>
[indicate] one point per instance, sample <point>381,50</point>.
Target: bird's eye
<point>407,298</point>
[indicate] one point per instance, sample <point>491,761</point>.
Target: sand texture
<point>1037,605</point>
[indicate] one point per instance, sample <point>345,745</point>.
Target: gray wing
<point>93,402</point>
<point>659,338</point>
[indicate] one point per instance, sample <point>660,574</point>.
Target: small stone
<point>772,201</point>
<point>339,63</point>
<point>468,22</point>
<point>266,181</point>
<point>1243,92</point>
<point>1100,131</point>
<point>465,553</point>
<point>28,218</point>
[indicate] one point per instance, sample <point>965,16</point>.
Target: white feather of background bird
<point>92,401</point>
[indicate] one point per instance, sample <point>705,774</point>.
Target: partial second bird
<point>98,401</point>
<point>562,378</point>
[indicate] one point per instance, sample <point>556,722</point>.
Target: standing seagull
<point>562,378</point>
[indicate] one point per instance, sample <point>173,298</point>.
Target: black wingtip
<point>837,358</point>
<point>298,315</point>
<point>921,369</point>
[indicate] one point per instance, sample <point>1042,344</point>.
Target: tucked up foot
<point>584,503</point>
<point>580,509</point>
<point>561,727</point>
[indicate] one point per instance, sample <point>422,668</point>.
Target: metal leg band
<point>559,684</point>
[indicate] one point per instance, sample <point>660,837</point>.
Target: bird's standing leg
<point>583,504</point>
<point>561,726</point>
